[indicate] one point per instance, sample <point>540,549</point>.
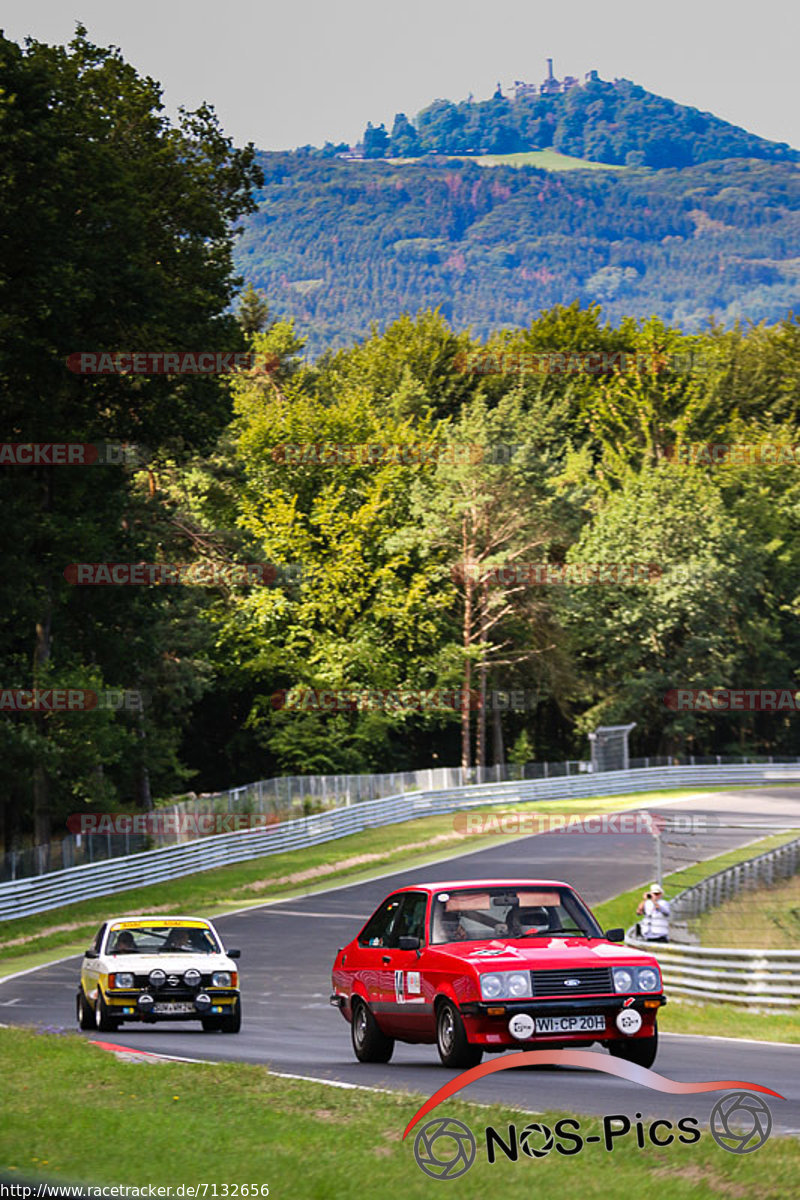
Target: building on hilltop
<point>551,86</point>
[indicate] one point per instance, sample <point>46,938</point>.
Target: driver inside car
<point>533,920</point>
<point>451,929</point>
<point>124,943</point>
<point>179,939</point>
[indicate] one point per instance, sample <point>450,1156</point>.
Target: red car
<point>488,965</point>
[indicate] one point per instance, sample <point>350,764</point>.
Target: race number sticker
<point>398,987</point>
<point>412,983</point>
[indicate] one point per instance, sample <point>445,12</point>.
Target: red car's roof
<point>514,881</point>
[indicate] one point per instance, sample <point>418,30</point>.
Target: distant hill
<point>340,245</point>
<point>617,123</point>
<point>478,208</point>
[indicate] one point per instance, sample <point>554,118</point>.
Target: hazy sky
<point>284,74</point>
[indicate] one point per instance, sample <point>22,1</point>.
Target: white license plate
<point>582,1023</point>
<point>172,1006</point>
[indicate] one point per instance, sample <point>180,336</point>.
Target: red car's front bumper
<point>487,1022</point>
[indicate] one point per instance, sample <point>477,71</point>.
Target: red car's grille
<point>578,982</point>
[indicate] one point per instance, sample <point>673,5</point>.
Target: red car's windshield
<point>485,913</point>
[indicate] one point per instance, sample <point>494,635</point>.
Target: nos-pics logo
<point>445,1148</point>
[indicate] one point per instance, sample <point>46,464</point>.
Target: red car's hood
<point>550,953</point>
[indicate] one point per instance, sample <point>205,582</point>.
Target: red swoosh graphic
<point>589,1060</point>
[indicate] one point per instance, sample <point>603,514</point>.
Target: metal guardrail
<point>757,978</point>
<point>764,870</point>
<point>287,796</point>
<point>23,897</point>
<point>281,799</point>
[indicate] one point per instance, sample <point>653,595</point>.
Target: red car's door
<point>404,1001</point>
<point>372,966</point>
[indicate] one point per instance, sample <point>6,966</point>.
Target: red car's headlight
<point>505,984</point>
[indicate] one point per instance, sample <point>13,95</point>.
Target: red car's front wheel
<point>641,1051</point>
<point>451,1038</point>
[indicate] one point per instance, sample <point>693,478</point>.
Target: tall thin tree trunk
<point>145,796</point>
<point>41,781</point>
<point>498,749</point>
<point>480,749</point>
<point>41,656</point>
<point>466,722</point>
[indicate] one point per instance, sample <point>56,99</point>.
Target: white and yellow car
<point>159,969</point>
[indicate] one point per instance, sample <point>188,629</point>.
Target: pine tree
<point>253,311</point>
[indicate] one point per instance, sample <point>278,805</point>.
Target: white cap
<point>656,887</point>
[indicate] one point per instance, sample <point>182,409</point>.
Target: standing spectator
<point>654,911</point>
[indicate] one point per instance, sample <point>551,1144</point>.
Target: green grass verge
<point>75,1113</point>
<point>279,876</point>
<point>726,1020</point>
<point>683,1016</point>
<point>768,917</point>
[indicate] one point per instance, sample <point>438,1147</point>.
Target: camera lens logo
<point>740,1122</point>
<point>531,1134</point>
<point>444,1148</point>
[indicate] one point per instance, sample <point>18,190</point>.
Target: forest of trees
<point>383,601</point>
<point>617,123</point>
<point>341,245</point>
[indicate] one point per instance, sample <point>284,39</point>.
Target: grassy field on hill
<point>546,160</point>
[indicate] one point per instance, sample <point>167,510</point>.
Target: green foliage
<point>492,247</point>
<point>117,236</point>
<point>92,165</point>
<point>605,122</point>
<point>253,311</point>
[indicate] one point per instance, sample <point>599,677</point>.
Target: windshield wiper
<point>554,933</point>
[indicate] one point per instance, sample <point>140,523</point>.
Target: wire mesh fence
<point>284,798</point>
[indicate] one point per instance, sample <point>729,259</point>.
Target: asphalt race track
<point>288,948</point>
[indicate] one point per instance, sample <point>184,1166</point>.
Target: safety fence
<point>187,817</point>
<point>766,979</point>
<point>282,798</point>
<point>24,897</point>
